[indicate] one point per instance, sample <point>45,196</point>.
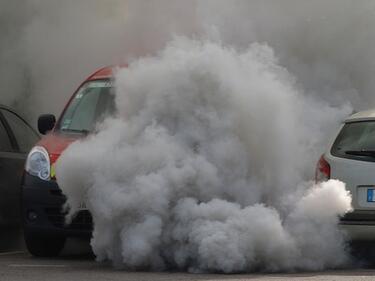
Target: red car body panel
<point>43,217</point>
<point>56,143</point>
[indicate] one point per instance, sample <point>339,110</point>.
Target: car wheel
<point>44,246</point>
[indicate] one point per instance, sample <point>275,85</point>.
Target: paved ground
<point>77,263</point>
<point>20,266</point>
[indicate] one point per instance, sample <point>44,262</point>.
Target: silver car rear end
<point>351,159</point>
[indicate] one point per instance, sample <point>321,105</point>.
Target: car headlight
<point>38,163</point>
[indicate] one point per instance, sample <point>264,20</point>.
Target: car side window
<point>5,144</point>
<point>24,135</point>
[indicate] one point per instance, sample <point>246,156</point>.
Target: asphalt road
<point>17,266</point>
<point>77,263</point>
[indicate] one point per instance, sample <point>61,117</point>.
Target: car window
<point>5,144</point>
<point>90,105</point>
<point>24,135</point>
<point>355,138</point>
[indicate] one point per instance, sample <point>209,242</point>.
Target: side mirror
<point>46,122</point>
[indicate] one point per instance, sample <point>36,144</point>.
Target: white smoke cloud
<point>205,166</point>
<point>327,45</point>
<point>48,47</point>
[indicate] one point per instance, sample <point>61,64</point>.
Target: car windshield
<point>356,141</point>
<point>92,103</point>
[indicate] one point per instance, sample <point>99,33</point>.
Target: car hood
<point>55,143</point>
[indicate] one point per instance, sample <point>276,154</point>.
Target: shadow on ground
<point>11,239</point>
<point>77,248</point>
<point>363,254</point>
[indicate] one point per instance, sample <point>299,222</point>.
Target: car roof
<point>2,106</point>
<point>366,115</point>
<point>105,72</point>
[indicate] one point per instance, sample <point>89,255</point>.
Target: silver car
<point>351,159</point>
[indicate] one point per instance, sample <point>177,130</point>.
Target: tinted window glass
<point>5,144</point>
<point>25,136</point>
<point>355,140</point>
<point>92,103</point>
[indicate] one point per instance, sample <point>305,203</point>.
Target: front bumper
<point>42,203</point>
<point>359,225</point>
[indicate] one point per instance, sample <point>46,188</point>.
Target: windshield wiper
<point>363,152</point>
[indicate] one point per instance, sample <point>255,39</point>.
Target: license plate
<point>370,195</point>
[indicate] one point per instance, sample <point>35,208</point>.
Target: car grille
<point>81,221</point>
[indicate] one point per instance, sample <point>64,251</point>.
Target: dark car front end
<point>43,209</point>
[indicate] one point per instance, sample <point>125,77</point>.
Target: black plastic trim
<point>41,196</point>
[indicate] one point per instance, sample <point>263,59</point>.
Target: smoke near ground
<point>204,167</point>
<point>215,137</point>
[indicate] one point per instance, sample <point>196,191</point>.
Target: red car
<point>43,220</point>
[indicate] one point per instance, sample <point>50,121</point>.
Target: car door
<point>17,138</point>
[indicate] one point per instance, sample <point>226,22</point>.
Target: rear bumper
<point>42,203</point>
<point>359,232</point>
<point>359,225</point>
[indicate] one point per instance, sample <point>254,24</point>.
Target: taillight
<point>323,170</point>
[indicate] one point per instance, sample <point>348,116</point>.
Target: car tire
<point>44,246</point>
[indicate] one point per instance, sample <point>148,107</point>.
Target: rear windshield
<point>93,102</point>
<point>356,141</point>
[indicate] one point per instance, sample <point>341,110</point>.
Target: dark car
<point>44,224</point>
<point>16,139</point>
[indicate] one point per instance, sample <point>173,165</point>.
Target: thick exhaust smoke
<point>204,167</point>
<point>327,45</point>
<point>215,138</point>
<point>48,47</point>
